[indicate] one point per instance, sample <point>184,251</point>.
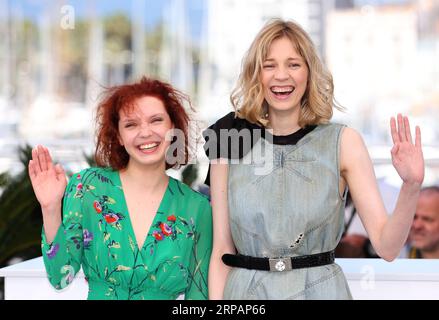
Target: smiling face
<point>284,76</point>
<point>142,131</point>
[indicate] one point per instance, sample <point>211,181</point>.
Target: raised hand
<point>407,158</point>
<point>48,180</point>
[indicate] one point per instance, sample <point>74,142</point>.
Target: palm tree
<point>20,215</point>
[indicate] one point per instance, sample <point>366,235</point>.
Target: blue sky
<point>195,8</point>
<point>33,9</point>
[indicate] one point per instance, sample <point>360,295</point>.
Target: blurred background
<point>57,55</point>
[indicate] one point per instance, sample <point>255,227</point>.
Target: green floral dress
<point>96,233</point>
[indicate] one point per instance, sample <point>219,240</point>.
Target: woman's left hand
<point>407,158</point>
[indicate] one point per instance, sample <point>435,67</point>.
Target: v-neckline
<point>160,209</point>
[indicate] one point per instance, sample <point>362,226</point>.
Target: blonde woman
<point>274,233</point>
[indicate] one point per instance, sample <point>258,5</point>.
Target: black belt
<point>279,264</point>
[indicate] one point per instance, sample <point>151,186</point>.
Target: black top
<point>235,144</point>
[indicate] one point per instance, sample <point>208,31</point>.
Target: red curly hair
<point>109,152</point>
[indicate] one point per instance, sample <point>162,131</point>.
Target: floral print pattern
<point>97,234</point>
<point>53,250</point>
<point>88,237</point>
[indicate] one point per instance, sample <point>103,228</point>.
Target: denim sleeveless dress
<point>294,208</point>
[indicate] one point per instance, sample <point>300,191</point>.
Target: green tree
<point>153,44</point>
<point>20,216</point>
<point>73,50</point>
<point>117,33</point>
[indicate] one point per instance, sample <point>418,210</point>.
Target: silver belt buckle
<point>280,264</point>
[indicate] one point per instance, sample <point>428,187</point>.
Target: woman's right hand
<point>48,180</point>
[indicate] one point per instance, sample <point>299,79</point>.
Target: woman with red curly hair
<point>136,232</point>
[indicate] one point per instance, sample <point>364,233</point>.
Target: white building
<point>372,54</point>
<point>176,65</point>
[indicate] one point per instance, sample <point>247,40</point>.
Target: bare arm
<point>49,182</point>
<point>387,234</point>
<point>222,238</point>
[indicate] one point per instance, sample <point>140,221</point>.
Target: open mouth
<point>149,146</point>
<point>282,91</point>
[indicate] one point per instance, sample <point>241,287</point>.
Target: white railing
<point>369,279</point>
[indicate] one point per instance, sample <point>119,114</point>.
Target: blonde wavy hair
<point>248,96</point>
